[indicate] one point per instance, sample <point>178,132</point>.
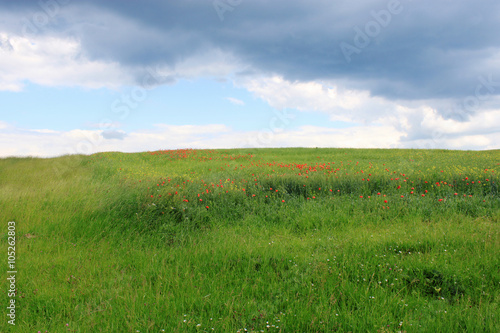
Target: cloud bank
<point>405,73</point>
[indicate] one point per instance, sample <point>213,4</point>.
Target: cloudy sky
<point>88,76</point>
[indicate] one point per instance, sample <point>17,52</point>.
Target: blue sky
<point>200,101</point>
<point>89,76</point>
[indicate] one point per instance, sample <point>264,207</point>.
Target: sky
<point>80,77</point>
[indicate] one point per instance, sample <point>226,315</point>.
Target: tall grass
<point>105,244</point>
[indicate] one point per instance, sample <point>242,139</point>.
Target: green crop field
<point>253,240</point>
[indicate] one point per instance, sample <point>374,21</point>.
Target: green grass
<point>117,242</point>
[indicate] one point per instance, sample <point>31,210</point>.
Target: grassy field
<point>257,240</point>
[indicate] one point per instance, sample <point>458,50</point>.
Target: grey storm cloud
<point>398,49</point>
<point>120,135</point>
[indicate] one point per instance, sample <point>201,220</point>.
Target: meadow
<point>254,240</point>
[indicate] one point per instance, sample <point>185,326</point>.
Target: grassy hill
<point>254,240</point>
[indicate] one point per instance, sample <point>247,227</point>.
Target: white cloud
<point>314,136</point>
<point>46,131</point>
<point>235,101</point>
<point>417,123</point>
<point>193,129</point>
<point>48,143</point>
<point>54,61</point>
<point>213,63</point>
<point>105,125</point>
<point>339,103</point>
